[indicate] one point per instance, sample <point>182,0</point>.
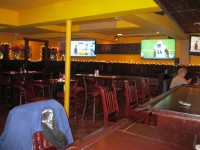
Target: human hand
<point>189,80</point>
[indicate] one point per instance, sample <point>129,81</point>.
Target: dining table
<point>16,79</point>
<point>108,78</point>
<point>12,74</point>
<point>54,83</point>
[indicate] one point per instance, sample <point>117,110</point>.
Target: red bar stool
<point>110,104</point>
<point>93,95</point>
<point>119,86</point>
<point>132,103</point>
<point>144,92</point>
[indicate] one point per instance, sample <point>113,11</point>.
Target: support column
<point>67,66</point>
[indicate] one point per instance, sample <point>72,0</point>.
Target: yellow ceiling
<point>90,19</point>
<point>18,5</point>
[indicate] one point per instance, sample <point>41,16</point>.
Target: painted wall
<point>36,51</point>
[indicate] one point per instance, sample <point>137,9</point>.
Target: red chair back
<point>90,84</point>
<point>144,92</point>
<point>40,143</point>
<point>131,95</point>
<point>145,87</point>
<point>118,84</point>
<point>110,104</point>
<point>29,91</point>
<point>132,102</point>
<point>73,86</point>
<point>92,92</point>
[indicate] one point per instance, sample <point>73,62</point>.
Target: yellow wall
<point>12,40</point>
<point>36,51</point>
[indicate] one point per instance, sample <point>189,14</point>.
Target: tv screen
<point>194,45</point>
<point>158,49</point>
<point>83,48</point>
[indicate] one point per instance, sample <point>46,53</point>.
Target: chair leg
<point>49,91</point>
<point>22,94</point>
<point>94,109</point>
<point>42,91</point>
<point>85,105</point>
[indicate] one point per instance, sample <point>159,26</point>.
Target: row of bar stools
<point>5,91</point>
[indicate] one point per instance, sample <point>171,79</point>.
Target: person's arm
<point>189,81</point>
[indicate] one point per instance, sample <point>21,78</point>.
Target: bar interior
<point>99,75</point>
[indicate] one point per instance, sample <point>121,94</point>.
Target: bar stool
<point>119,86</point>
<point>110,104</point>
<point>5,89</point>
<point>153,87</point>
<point>132,102</point>
<point>18,87</point>
<point>44,88</point>
<point>93,95</point>
<point>144,92</point>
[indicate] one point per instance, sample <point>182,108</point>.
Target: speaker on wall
<point>176,61</point>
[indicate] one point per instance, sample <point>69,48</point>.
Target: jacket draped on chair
<point>23,121</point>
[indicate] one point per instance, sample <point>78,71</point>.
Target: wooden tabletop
<point>101,76</point>
<point>18,72</point>
<point>128,135</point>
<point>52,81</point>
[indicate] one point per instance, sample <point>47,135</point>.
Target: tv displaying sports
<point>85,48</point>
<point>194,45</point>
<point>158,49</point>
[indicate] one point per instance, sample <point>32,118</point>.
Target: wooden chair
<point>153,88</point>
<point>132,102</point>
<point>93,95</point>
<point>40,143</point>
<point>44,88</point>
<point>100,82</point>
<point>119,86</point>
<point>5,88</point>
<point>77,97</point>
<point>29,93</point>
<point>110,104</point>
<point>19,85</point>
<point>144,92</point>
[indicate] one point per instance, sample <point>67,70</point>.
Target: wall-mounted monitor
<point>158,49</point>
<point>84,48</point>
<point>194,45</point>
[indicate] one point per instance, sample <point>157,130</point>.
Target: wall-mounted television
<point>194,45</point>
<point>158,49</point>
<point>84,48</point>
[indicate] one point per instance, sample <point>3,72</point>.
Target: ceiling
<point>186,13</point>
<point>174,18</point>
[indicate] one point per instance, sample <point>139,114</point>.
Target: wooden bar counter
<point>172,114</point>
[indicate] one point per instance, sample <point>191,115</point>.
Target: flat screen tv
<point>194,45</point>
<point>158,49</point>
<point>85,48</point>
